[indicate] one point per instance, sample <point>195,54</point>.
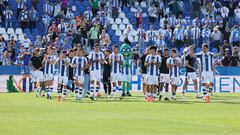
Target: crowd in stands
<point>164,23</point>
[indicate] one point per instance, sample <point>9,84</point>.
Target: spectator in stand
<point>8,17</point>
<point>64,6</point>
<point>196,7</point>
<point>196,33</point>
<point>7,58</point>
<point>188,36</point>
<point>216,38</point>
<point>226,34</point>
<point>226,46</point>
<point>95,6</point>
<point>57,44</point>
<point>38,42</point>
<point>103,20</point>
<point>70,16</point>
<point>46,19</point>
<point>103,4</point>
<point>53,31</point>
<point>94,34</point>
<point>231,15</point>
<point>138,15</point>
<point>178,36</point>
<point>216,5</point>
<point>151,36</point>
<point>115,5</point>
<point>2,49</point>
<point>24,18</point>
<point>88,14</point>
<point>48,8</point>
<point>33,18</point>
<point>206,35</point>
<point>1,21</point>
<point>79,21</point>
<point>224,13</point>
<point>141,36</point>
<point>104,40</point>
<point>20,6</point>
<point>126,35</point>
<point>235,58</point>
<point>35,3</point>
<point>77,39</point>
<point>237,15</point>
<point>152,13</point>
<point>12,43</point>
<point>25,42</point>
<point>45,42</point>
<point>164,21</point>
<point>5,2</point>
<point>235,36</point>
<point>226,61</point>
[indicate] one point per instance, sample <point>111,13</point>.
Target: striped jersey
<point>93,56</point>
<point>152,69</point>
<point>206,61</point>
<point>183,60</point>
<point>80,63</point>
<point>116,67</point>
<point>127,69</point>
<point>63,67</point>
<point>174,71</point>
<point>49,68</point>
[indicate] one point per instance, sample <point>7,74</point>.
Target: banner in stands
<point>226,80</point>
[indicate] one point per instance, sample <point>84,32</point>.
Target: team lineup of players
<point>158,70</point>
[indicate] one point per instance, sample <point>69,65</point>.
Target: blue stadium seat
<point>27,31</point>
<point>214,50</point>
<point>198,50</point>
<point>181,51</point>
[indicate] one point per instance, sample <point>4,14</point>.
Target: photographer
<point>226,61</point>
<point>235,60</point>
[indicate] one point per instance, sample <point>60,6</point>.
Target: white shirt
<point>237,12</point>
<point>224,12</point>
<point>152,11</point>
<point>26,42</point>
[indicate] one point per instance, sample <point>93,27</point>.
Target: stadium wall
<point>227,79</point>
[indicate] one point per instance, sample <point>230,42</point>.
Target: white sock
<point>114,91</point>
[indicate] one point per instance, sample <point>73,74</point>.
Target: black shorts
<point>106,78</point>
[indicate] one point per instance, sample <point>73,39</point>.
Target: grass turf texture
<point>23,114</point>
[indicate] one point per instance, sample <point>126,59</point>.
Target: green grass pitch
<point>23,114</point>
